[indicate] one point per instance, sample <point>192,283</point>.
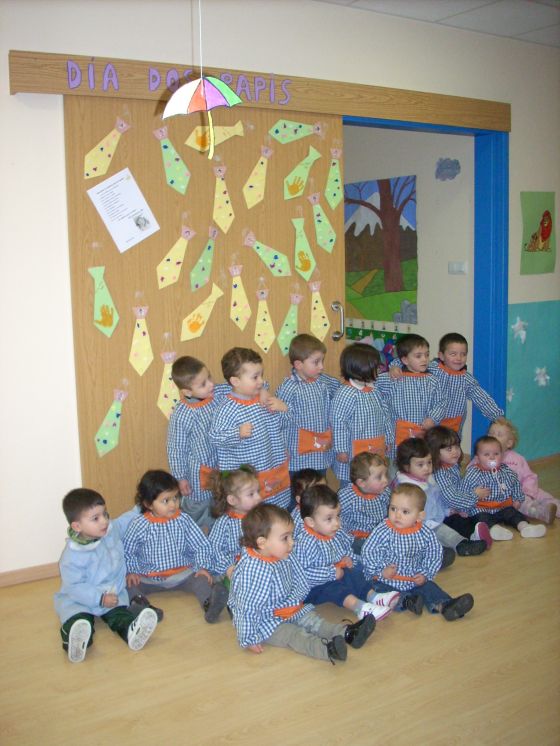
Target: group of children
<point>218,525</point>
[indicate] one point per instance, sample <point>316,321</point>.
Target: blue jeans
<point>352,583</point>
<point>432,594</point>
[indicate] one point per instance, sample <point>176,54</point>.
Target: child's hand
<point>246,430</point>
<point>276,405</point>
<point>109,600</point>
<point>342,458</point>
<point>428,423</point>
<point>395,372</point>
<point>264,396</point>
<point>516,504</point>
<point>346,562</point>
<point>482,492</point>
<point>338,573</point>
<point>202,573</point>
<point>184,487</point>
<point>229,571</point>
<point>389,572</point>
<point>132,579</point>
<point>256,648</point>
<point>420,579</point>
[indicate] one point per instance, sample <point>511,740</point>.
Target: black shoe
<point>336,649</point>
<point>468,548</point>
<point>448,557</point>
<point>356,634</point>
<point>139,603</point>
<point>413,603</point>
<point>215,603</point>
<point>457,607</point>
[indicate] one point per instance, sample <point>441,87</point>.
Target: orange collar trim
<point>321,537</point>
<point>196,404</point>
<point>450,371</point>
<point>233,514</point>
<point>364,390</point>
<point>154,519</point>
<point>365,495</point>
<point>253,553</point>
<point>412,530</point>
<point>245,402</point>
<point>415,375</point>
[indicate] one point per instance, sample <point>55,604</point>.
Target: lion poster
<point>538,249</point>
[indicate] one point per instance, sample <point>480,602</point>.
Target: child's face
<point>417,359</point>
<point>489,455</point>
<point>93,523</point>
<point>201,386</point>
<point>503,434</point>
<point>325,520</point>
<point>249,382</point>
<point>404,511</point>
<point>165,505</point>
<point>450,455</point>
<point>311,367</point>
<point>420,467</point>
<point>376,481</point>
<point>279,542</point>
<point>245,497</point>
<point>454,356</point>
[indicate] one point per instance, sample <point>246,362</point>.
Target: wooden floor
<point>491,678</point>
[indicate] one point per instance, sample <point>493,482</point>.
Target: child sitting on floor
<point>267,595</point>
<point>93,574</point>
<point>301,481</point>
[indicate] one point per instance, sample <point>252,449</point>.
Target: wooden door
<point>102,362</point>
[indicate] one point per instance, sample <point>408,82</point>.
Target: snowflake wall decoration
<point>510,393</point>
<point>519,330</point>
<point>541,377</point>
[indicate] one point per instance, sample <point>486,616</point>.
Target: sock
<point>529,531</point>
<point>499,533</point>
<point>371,595</point>
<point>358,607</point>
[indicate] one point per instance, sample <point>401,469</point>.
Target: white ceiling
<point>536,21</point>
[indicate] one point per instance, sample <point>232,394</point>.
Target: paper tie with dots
<point>99,158</point>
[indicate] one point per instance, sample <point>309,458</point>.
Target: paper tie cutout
<point>195,323</point>
<point>177,175</point>
<point>200,273</point>
<point>239,309</point>
<point>290,326</point>
<point>333,188</point>
<point>324,232</point>
<point>275,261</point>
<point>107,437</point>
<point>98,160</point>
<point>304,261</point>
<point>223,213</point>
<point>168,396</point>
<point>254,188</point>
<point>285,131</point>
<point>105,314</point>
<point>169,269</point>
<point>199,139</point>
<point>141,355</point>
<point>296,180</point>
<point>319,321</point>
<point>264,330</point>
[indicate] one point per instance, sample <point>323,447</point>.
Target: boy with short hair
<point>308,392</point>
<point>415,400</point>
<point>364,502</point>
<point>190,453</point>
<point>93,574</point>
<point>403,554</point>
<point>244,430</point>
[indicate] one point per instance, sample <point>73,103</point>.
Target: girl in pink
<point>538,503</point>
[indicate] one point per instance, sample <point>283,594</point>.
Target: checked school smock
<point>224,541</point>
<point>264,593</point>
<point>319,555</point>
<point>413,550</point>
<point>308,430</point>
<point>456,497</point>
<point>360,513</point>
<point>504,485</point>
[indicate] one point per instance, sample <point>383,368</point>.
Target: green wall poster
<point>538,248</point>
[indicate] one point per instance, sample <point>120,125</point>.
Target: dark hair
<point>78,501</point>
<point>152,484</point>
<point>303,479</point>
<point>439,437</point>
<point>226,483</point>
<point>314,497</point>
<point>409,449</point>
<point>410,342</point>
<point>184,369</point>
<point>411,490</point>
<point>452,338</point>
<point>234,359</point>
<point>485,439</point>
<point>259,520</point>
<point>303,346</point>
<point>362,463</point>
<point>360,362</point>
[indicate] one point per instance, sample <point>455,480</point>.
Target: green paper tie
<point>276,262</point>
<point>105,314</point>
<point>107,437</point>
<point>200,273</point>
<point>177,174</point>
<point>333,189</point>
<point>296,180</point>
<point>290,326</point>
<point>324,232</point>
<point>285,130</point>
<point>304,261</point>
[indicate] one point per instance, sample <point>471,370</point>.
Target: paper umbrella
<point>203,94</point>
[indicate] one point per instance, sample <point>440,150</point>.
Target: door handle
<point>336,305</point>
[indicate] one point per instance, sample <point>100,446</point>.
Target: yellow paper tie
<point>168,392</point>
<point>239,310</point>
<point>319,321</point>
<point>264,330</point>
<point>141,354</point>
<point>195,323</point>
<point>99,158</point>
<point>222,214</point>
<point>169,269</point>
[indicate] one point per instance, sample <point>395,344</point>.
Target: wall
<point>39,453</point>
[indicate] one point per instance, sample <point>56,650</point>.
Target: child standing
<point>403,554</point>
<point>364,503</point>
<point>235,493</point>
<point>415,399</point>
<point>93,574</point>
<point>414,464</point>
<point>308,392</point>
<point>505,498</point>
<point>190,453</point>
<point>245,431</point>
<point>268,588</point>
<point>538,503</point>
<point>359,416</point>
<point>332,569</point>
<point>165,549</point>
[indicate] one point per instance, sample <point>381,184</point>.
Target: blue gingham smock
<point>260,585</point>
<point>318,554</point>
<point>360,512</point>
<point>308,408</point>
<point>224,542</point>
<point>356,415</point>
<point>414,550</point>
<point>503,483</point>
<point>454,493</point>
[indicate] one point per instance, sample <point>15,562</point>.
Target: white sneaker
<point>389,599</point>
<point>78,639</point>
<point>141,629</point>
<point>372,609</point>
<point>533,531</point>
<point>499,533</point>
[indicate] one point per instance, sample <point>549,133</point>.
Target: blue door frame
<point>491,252</point>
